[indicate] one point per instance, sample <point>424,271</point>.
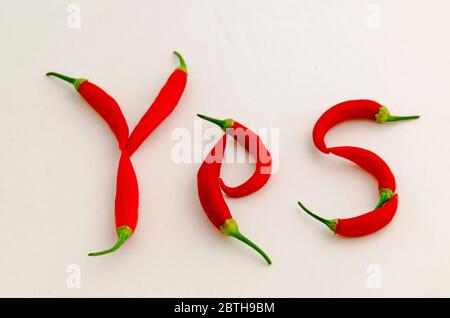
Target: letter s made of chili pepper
<point>352,109</point>
<point>163,105</point>
<point>385,209</point>
<point>211,197</point>
<point>255,146</point>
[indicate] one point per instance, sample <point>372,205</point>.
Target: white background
<point>268,64</point>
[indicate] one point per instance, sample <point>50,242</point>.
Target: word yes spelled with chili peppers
<point>384,211</point>
<point>210,185</point>
<point>127,191</point>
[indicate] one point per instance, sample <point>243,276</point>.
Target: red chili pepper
<point>364,224</point>
<point>102,103</point>
<point>163,105</point>
<point>352,109</point>
<point>212,200</point>
<point>255,146</point>
<point>126,205</point>
<point>387,206</point>
<point>127,197</point>
<point>127,191</point>
<point>374,165</point>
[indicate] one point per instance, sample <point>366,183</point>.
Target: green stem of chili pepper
<point>331,224</point>
<point>222,123</point>
<point>76,82</point>
<point>123,233</point>
<point>384,115</point>
<point>385,195</point>
<point>182,66</point>
<point>230,228</point>
<point>398,118</point>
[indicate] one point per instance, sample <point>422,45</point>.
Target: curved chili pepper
<point>212,200</point>
<point>127,197</point>
<point>364,224</point>
<point>374,165</point>
<point>126,205</point>
<point>163,105</point>
<point>255,146</point>
<point>387,206</point>
<point>352,109</point>
<point>102,103</point>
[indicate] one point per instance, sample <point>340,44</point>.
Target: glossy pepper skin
<point>211,197</point>
<point>164,104</point>
<point>126,203</point>
<point>127,196</point>
<point>374,165</point>
<point>352,109</point>
<point>102,103</point>
<point>361,225</point>
<point>209,192</point>
<point>255,146</point>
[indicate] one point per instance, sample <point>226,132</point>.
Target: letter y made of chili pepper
<point>127,191</point>
<point>352,109</point>
<point>255,146</point>
<point>211,197</point>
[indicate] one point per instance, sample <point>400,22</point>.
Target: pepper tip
<point>222,123</point>
<point>123,233</point>
<point>230,228</point>
<point>331,224</point>
<point>182,66</point>
<point>76,82</point>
